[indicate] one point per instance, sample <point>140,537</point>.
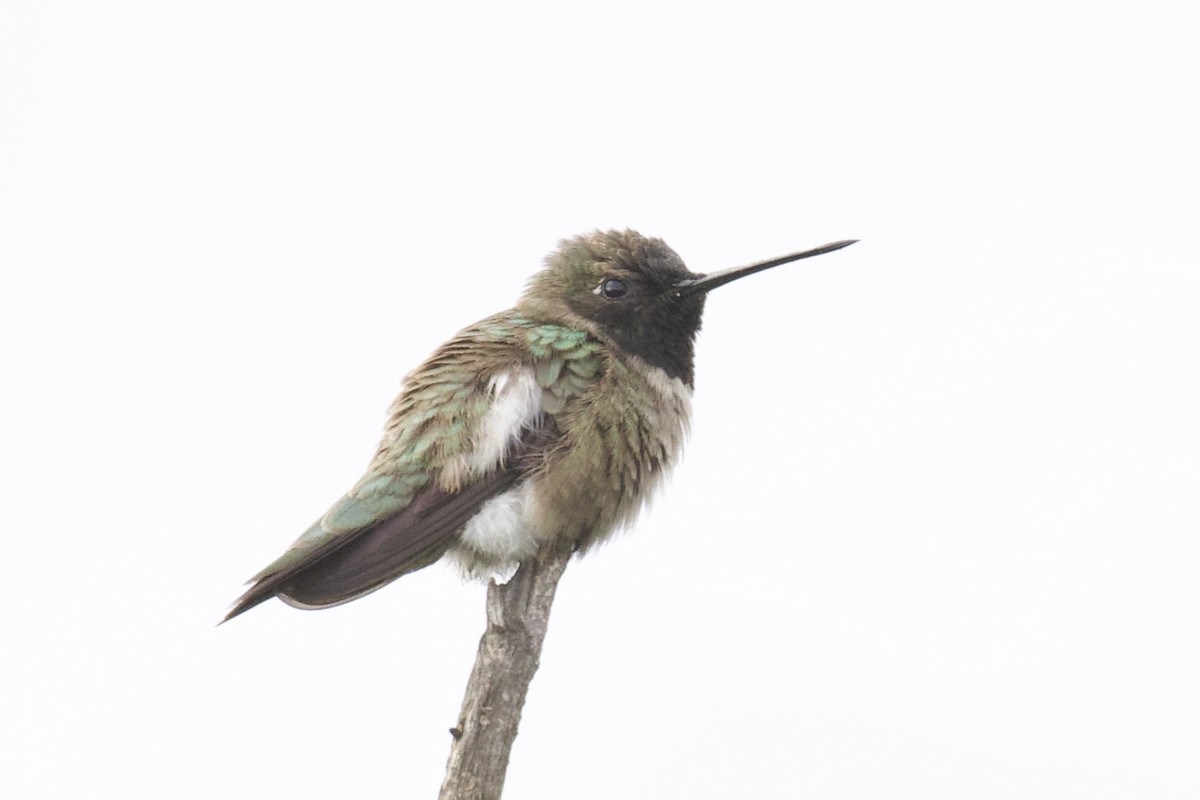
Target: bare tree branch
<point>517,615</point>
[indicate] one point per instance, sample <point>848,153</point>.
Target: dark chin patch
<point>665,337</point>
<point>675,361</point>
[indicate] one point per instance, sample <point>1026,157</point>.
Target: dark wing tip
<point>258,593</point>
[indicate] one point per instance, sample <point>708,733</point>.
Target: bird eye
<point>612,288</point>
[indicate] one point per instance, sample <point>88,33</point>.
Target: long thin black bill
<point>714,279</point>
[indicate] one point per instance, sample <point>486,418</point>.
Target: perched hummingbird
<point>550,422</point>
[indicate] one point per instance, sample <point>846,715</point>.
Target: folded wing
<point>458,435</point>
<point>350,564</point>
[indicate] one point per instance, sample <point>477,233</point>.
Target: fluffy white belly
<point>501,534</point>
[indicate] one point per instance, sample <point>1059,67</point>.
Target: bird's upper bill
<point>705,283</point>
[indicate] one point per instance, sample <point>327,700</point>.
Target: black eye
<point>612,288</point>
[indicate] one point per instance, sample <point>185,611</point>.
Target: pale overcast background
<point>937,531</point>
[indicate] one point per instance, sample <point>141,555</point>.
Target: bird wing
<point>359,546</point>
<point>461,432</point>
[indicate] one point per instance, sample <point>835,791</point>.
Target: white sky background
<point>936,534</point>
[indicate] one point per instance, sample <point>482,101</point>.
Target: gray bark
<point>517,615</point>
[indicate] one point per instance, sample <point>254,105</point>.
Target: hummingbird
<point>549,424</point>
